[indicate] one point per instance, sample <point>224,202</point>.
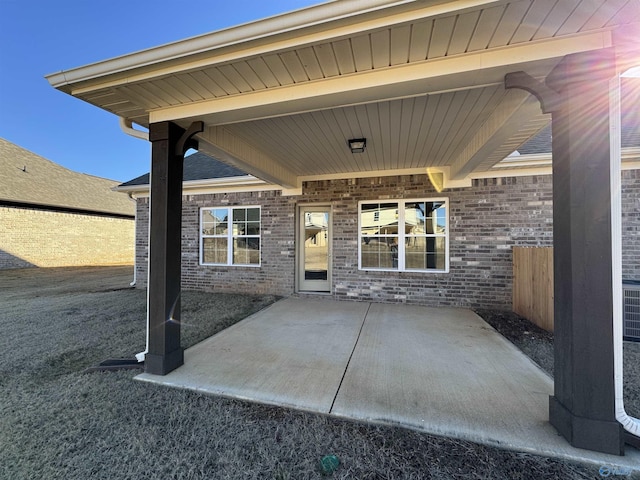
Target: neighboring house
<point>53,217</point>
<point>394,238</point>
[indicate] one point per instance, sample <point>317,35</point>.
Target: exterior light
<point>357,145</point>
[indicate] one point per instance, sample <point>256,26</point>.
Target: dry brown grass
<point>57,423</point>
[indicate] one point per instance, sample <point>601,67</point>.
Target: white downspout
<point>127,127</point>
<point>630,424</point>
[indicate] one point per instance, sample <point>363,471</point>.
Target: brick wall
<point>631,224</point>
<point>486,221</point>
<point>54,239</point>
<point>275,275</point>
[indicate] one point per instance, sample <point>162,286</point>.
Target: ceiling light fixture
<point>357,145</point>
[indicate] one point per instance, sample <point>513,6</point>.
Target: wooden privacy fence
<point>533,284</point>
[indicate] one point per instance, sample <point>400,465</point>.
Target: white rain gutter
<point>127,127</point>
<point>630,424</point>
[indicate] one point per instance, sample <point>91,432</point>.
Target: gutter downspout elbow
<point>126,126</point>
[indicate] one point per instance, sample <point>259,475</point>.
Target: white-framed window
<point>230,236</point>
<point>404,235</point>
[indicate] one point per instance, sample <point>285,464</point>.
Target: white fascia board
<point>240,41</point>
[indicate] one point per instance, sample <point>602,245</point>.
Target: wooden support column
<point>576,93</point>
<point>169,143</point>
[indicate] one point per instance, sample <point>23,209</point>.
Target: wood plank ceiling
<point>412,131</point>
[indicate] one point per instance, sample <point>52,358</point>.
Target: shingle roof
<point>198,166</point>
<point>31,179</point>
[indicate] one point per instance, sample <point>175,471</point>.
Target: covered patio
<point>444,88</point>
<point>442,371</point>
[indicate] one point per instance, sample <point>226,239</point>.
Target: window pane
<point>425,253</point>
<point>436,217</point>
<point>253,228</point>
<point>239,214</point>
<point>379,219</point>
<point>379,252</point>
<point>440,213</point>
<point>246,251</point>
<point>215,221</point>
<point>253,214</point>
<point>414,217</point>
<point>239,229</point>
<point>214,250</point>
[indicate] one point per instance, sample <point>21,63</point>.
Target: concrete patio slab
<point>293,353</point>
<point>445,371</point>
<point>439,370</point>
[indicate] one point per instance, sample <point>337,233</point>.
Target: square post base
<point>163,364</point>
<point>596,435</point>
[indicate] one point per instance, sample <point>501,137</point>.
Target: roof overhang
<point>205,185</point>
<point>421,80</point>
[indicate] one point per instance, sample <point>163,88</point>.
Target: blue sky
<point>39,37</point>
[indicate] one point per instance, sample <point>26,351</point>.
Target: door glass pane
<point>316,245</point>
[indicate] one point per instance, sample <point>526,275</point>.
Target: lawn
<point>56,422</point>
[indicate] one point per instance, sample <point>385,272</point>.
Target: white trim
<point>229,236</point>
<point>401,202</point>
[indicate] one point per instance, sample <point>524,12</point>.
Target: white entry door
<point>314,249</point>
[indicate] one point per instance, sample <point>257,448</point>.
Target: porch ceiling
<point>421,80</point>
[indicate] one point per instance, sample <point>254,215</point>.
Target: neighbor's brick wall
<point>486,221</point>
<point>53,239</point>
